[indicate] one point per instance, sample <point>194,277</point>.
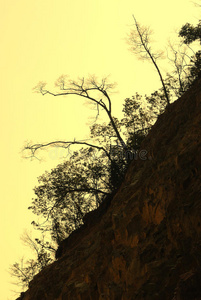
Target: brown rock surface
<point>147,244</point>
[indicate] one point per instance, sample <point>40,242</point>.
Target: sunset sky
<point>41,40</point>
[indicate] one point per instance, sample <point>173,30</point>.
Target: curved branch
<point>62,144</point>
<point>44,92</point>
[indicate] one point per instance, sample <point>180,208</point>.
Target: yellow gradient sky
<point>41,40</point>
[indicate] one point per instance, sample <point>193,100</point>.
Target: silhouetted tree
<point>139,40</point>
<point>25,270</point>
<point>96,92</point>
<point>69,191</point>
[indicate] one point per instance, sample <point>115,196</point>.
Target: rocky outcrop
<point>146,244</point>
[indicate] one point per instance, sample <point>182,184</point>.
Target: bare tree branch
<point>82,88</point>
<point>62,144</point>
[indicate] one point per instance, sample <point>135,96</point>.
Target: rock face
<point>147,243</point>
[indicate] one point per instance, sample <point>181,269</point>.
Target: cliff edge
<point>146,244</point>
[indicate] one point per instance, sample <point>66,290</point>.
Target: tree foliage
<point>69,191</point>
<point>191,33</point>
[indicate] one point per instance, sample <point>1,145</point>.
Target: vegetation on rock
<point>81,183</point>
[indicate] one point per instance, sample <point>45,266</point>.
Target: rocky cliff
<point>146,242</point>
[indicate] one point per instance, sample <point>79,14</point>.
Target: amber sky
<point>40,40</point>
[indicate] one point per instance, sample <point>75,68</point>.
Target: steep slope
<point>147,244</point>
